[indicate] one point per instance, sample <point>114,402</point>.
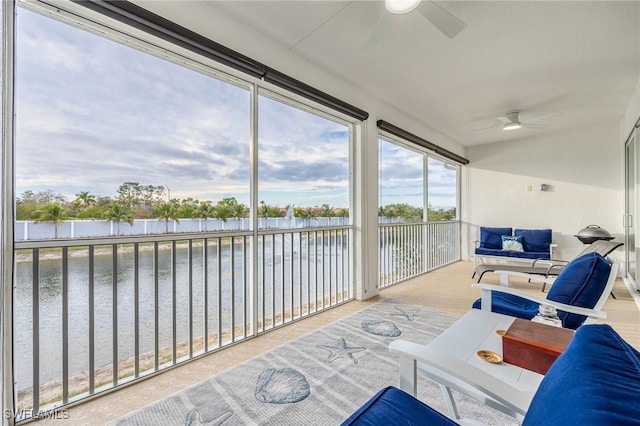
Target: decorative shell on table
<point>490,356</point>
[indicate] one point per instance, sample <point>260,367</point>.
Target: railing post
<point>65,325</point>
<point>114,319</point>
<point>35,312</point>
<point>92,352</point>
<point>136,310</point>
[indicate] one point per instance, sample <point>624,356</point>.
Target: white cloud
<point>92,114</point>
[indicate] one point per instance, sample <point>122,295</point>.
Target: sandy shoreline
<point>56,254</point>
<point>51,393</point>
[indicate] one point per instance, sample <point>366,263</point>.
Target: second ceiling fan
<point>511,121</point>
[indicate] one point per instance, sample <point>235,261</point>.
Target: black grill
<point>593,233</point>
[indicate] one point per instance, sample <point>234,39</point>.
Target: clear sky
<point>92,114</point>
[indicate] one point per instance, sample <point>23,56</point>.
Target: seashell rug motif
<point>318,379</point>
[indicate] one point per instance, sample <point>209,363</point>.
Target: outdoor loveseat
<point>514,243</point>
<point>593,382</point>
<point>546,268</point>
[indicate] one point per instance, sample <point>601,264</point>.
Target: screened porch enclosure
<point>188,207</point>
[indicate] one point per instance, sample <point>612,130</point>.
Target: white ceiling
<point>579,61</point>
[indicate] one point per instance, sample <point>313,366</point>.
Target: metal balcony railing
<point>410,249</point>
<point>92,314</point>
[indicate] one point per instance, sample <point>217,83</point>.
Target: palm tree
<point>84,199</point>
<point>223,211</point>
<point>232,208</point>
<point>205,210</point>
<point>51,213</point>
<point>326,211</point>
<point>343,213</point>
<point>308,214</point>
<point>118,212</point>
<point>239,211</point>
<point>165,211</point>
<point>263,211</point>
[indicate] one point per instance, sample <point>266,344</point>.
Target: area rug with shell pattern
<point>318,379</point>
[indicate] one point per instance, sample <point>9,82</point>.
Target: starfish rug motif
<point>342,350</point>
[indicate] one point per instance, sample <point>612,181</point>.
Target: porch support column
<point>365,216</point>
<point>6,210</point>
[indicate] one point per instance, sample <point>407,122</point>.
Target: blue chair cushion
<point>530,254</point>
<point>580,283</point>
<point>535,240</point>
<point>509,304</point>
<point>491,238</point>
<point>594,382</point>
<point>392,406</point>
<point>492,252</point>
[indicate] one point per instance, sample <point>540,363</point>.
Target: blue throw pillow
<point>490,237</point>
<point>593,382</point>
<point>511,243</point>
<point>535,240</point>
<point>580,283</point>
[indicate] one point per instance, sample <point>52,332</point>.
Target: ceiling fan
<point>511,121</point>
<point>444,21</point>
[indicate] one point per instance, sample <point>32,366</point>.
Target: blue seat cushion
<point>392,406</point>
<point>492,252</point>
<point>530,254</point>
<point>535,240</point>
<point>596,381</point>
<point>491,238</point>
<point>509,304</point>
<point>580,283</point>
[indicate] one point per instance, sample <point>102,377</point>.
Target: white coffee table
<point>451,360</point>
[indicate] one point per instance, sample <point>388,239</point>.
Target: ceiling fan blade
<point>378,32</point>
<point>505,120</point>
<point>485,128</point>
<point>542,117</point>
<point>448,24</point>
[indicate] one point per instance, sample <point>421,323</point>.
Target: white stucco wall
<point>584,168</point>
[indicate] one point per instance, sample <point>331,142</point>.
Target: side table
<point>452,361</point>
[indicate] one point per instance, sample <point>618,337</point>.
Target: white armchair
<point>575,291</point>
<point>452,373</point>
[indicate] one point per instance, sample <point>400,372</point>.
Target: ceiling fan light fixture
<point>512,126</point>
<point>401,6</point>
